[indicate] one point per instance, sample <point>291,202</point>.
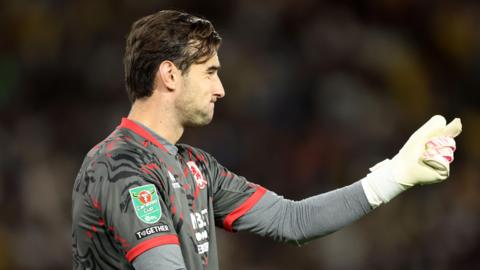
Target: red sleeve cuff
<point>151,243</point>
<point>243,208</point>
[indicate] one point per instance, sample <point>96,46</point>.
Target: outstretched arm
<point>424,159</point>
<point>301,221</point>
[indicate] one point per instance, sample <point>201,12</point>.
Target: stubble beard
<point>200,119</point>
<point>192,116</point>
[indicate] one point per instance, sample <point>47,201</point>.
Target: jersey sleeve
<point>233,195</point>
<point>302,221</point>
<point>162,257</point>
<point>133,205</point>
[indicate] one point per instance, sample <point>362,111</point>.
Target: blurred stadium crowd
<point>317,92</point>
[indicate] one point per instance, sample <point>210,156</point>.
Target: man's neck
<point>157,118</point>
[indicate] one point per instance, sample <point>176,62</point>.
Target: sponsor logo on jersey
<point>197,174</point>
<point>202,248</point>
<point>152,230</point>
<point>200,228</point>
<point>146,204</point>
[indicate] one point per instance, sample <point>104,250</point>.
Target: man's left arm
<point>240,205</point>
<point>302,221</point>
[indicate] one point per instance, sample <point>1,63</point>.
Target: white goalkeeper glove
<point>424,159</point>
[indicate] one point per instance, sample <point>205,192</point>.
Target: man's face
<point>200,89</point>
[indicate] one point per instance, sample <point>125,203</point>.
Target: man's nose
<point>218,90</point>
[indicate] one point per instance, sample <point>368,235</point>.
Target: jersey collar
<point>149,135</point>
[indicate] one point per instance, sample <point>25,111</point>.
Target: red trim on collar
<point>129,124</point>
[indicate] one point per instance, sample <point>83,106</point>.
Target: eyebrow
<point>213,68</point>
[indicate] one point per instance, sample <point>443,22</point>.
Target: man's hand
<point>426,156</point>
<point>424,159</point>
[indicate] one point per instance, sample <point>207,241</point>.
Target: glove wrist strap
<point>379,185</point>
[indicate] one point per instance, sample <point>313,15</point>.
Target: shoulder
<point>117,153</point>
<point>116,164</point>
<point>121,144</point>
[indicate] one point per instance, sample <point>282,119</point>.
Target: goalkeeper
<point>144,201</point>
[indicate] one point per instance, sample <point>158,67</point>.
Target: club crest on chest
<point>197,175</point>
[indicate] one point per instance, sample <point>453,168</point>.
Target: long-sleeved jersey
<point>135,192</point>
<point>138,196</point>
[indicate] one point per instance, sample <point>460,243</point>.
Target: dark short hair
<point>171,35</point>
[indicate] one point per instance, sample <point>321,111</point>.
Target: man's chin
<point>199,122</point>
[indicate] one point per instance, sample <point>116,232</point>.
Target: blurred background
<point>317,92</point>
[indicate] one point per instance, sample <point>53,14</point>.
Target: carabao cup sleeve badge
<point>146,203</point>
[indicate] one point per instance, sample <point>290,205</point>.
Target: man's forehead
<point>213,61</point>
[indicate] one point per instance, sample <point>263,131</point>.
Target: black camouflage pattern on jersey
<point>105,224</point>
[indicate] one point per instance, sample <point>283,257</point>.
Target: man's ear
<point>168,74</point>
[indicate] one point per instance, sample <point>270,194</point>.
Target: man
<point>142,201</point>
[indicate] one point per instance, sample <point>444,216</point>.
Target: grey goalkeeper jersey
<point>134,193</point>
<point>138,197</point>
